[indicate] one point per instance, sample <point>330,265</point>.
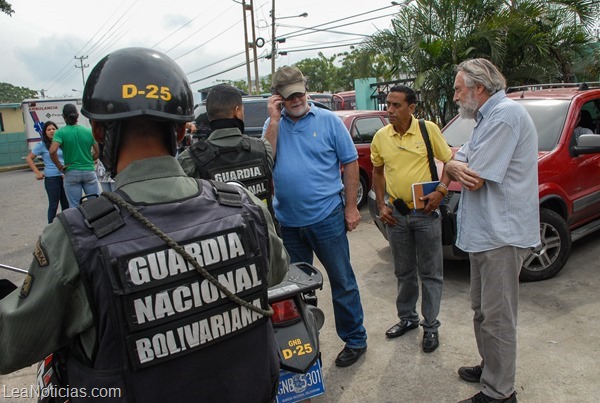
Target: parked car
<point>568,170</point>
<point>362,125</point>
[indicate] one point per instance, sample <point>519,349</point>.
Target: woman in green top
<point>80,150</point>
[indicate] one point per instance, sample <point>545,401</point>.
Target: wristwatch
<point>442,188</point>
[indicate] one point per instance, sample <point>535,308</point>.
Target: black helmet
<point>138,82</point>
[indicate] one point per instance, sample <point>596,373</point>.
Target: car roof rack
<point>583,86</point>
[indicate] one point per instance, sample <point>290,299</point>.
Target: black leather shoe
<point>430,341</point>
<point>470,374</point>
<point>349,356</point>
<point>481,398</point>
<point>400,328</point>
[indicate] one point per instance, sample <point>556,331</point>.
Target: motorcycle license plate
<point>294,387</point>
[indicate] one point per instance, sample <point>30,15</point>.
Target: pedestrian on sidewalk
<point>53,178</point>
<point>80,150</point>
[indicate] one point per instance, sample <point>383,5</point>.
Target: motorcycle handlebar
<point>11,268</point>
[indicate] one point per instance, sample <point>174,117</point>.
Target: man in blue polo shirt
<point>309,144</point>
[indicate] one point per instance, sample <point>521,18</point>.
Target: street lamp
<point>273,40</point>
<point>404,3</point>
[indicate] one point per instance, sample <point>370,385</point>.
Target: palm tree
<point>529,40</point>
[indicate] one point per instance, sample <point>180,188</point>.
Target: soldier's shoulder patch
<point>26,287</point>
<point>40,254</point>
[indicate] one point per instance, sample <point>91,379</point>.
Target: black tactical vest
<point>163,332</point>
<point>246,163</point>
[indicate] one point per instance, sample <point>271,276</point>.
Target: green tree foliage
<point>10,94</point>
<point>6,8</point>
<point>362,62</point>
<point>320,72</point>
<point>241,84</point>
<point>529,40</point>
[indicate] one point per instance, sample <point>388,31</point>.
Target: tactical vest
<point>163,332</point>
<point>246,163</point>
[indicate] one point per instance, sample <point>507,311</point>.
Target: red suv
<point>568,168</point>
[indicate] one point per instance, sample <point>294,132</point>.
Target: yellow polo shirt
<point>405,157</point>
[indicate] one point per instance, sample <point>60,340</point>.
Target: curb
<point>13,167</point>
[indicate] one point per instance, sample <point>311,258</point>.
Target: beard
<point>298,111</point>
<point>469,108</point>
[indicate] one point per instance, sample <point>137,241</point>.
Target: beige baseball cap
<point>289,80</point>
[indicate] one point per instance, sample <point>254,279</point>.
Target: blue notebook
<point>421,189</point>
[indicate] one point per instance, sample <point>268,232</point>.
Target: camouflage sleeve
<point>269,152</point>
<point>49,310</point>
<point>279,260</point>
<point>187,163</point>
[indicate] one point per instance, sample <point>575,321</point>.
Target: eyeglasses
<point>295,95</point>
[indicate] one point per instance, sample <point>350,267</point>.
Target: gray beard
<point>468,109</point>
<point>467,113</point>
<point>298,114</point>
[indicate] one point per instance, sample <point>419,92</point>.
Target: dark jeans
<point>328,240</point>
<point>416,246</point>
<point>56,193</point>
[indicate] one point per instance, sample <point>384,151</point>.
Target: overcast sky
<point>42,38</point>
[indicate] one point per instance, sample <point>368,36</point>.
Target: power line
<point>242,64</point>
<point>208,41</point>
<point>314,29</point>
<point>346,18</point>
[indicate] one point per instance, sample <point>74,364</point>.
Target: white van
<point>38,111</point>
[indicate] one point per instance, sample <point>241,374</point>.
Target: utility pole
<point>256,79</point>
<point>246,47</point>
<point>82,66</point>
<point>273,41</point>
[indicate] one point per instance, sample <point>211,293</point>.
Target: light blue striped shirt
<point>503,150</point>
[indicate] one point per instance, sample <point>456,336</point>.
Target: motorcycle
<point>296,323</point>
<point>50,372</point>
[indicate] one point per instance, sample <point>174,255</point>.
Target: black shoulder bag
<point>448,217</point>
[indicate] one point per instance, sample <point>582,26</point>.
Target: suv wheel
<point>550,258</point>
<point>362,191</point>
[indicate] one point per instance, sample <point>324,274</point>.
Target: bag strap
<point>425,134</point>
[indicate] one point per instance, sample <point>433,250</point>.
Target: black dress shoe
<point>482,398</point>
<point>430,341</point>
<point>400,328</point>
<point>349,356</point>
<point>470,374</point>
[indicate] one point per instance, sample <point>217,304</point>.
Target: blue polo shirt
<point>306,174</point>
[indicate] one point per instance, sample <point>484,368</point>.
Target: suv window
<point>255,113</point>
<point>548,116</point>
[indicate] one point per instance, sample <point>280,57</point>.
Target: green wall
<point>13,148</point>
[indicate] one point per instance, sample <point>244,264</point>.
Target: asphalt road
<point>559,320</point>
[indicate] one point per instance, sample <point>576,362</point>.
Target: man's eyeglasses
<point>295,95</point>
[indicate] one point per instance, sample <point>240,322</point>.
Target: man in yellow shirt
<point>400,158</point>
